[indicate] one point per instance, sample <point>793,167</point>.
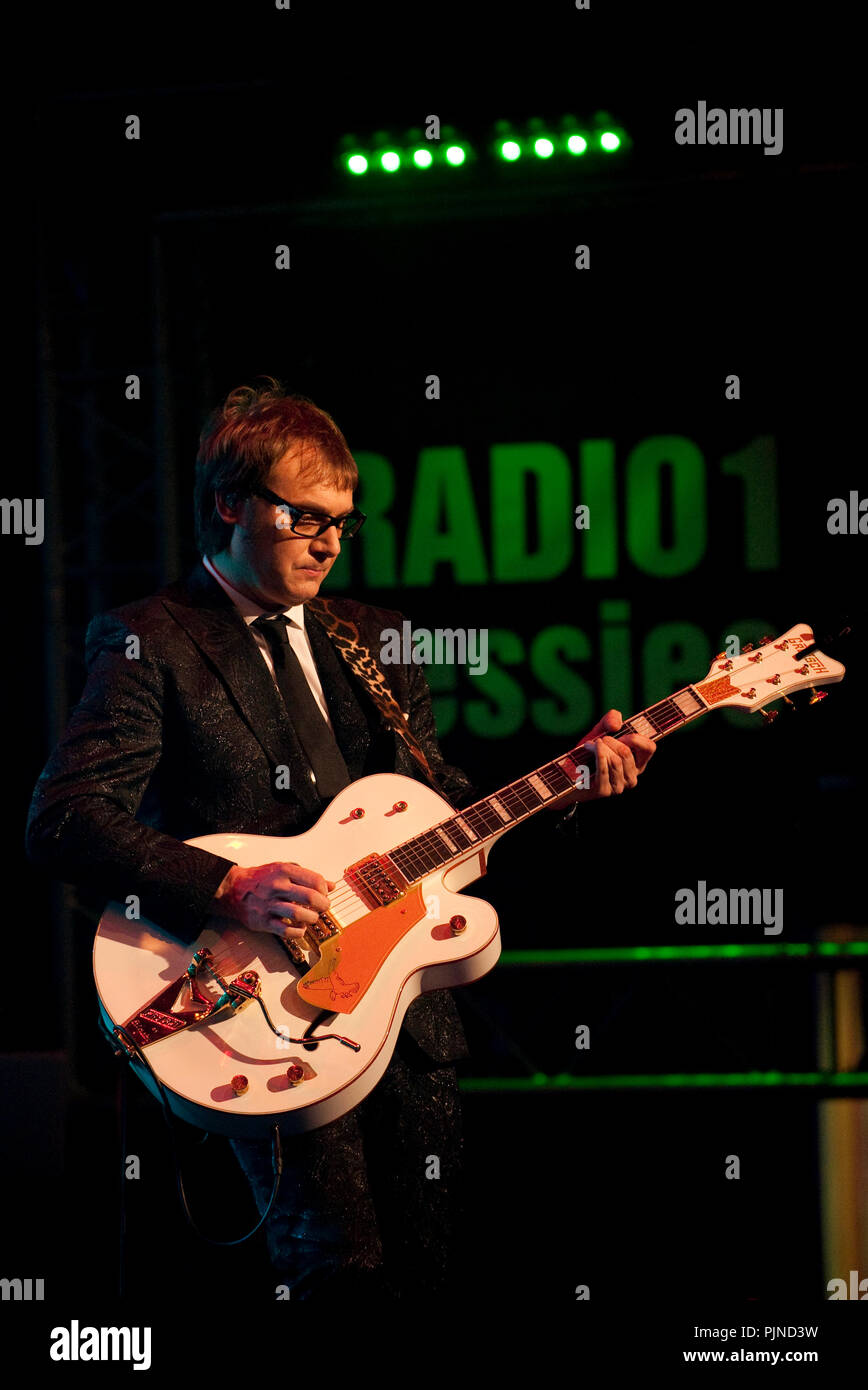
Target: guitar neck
<point>469,830</point>
<point>666,716</point>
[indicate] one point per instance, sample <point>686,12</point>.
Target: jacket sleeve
<point>82,825</point>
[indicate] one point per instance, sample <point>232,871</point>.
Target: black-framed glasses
<point>303,523</point>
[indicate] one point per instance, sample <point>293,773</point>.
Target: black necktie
<point>316,738</point>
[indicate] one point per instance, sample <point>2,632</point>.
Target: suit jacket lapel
<point>209,616</point>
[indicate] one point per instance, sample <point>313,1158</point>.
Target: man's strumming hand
<point>261,896</point>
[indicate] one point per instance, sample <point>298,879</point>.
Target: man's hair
<point>253,428</point>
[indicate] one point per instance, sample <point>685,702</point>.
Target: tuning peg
<point>748,647</point>
<point>787,701</point>
<point>766,637</point>
<point>817,695</point>
<point>769,715</point>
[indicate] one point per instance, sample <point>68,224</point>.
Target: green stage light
<point>730,950</point>
<point>768,1081</point>
<point>543,136</point>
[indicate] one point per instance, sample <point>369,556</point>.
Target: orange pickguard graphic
<point>349,962</point>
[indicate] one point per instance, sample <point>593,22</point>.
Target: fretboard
<point>469,829</point>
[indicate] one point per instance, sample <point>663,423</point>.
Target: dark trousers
<point>369,1204</point>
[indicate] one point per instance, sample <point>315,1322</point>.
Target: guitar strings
<point>343,895</point>
<point>665,713</point>
<point>223,958</point>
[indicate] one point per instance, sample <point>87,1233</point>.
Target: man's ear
<point>226,499</point>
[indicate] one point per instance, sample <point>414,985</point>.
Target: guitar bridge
<point>160,1017</point>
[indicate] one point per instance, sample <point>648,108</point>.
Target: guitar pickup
<point>322,929</point>
<point>376,880</point>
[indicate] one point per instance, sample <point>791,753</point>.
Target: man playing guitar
<point>200,715</point>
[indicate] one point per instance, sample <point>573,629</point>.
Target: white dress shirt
<point>298,638</point>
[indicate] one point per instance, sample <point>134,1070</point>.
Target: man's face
<point>277,567</point>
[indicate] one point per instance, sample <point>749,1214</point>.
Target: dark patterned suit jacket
<point>182,740</point>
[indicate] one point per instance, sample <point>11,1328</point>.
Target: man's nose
<point>330,541</point>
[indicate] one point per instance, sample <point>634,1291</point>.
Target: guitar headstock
<point>774,670</point>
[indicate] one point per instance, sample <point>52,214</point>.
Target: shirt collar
<point>246,607</point>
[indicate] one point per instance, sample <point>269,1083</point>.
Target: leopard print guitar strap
<point>346,637</point>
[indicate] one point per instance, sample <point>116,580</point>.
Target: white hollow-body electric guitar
<point>243,1033</point>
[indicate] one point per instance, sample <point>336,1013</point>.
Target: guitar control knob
<point>358,813</point>
<point>400,806</point>
<point>457,925</point>
<point>239,1084</point>
<point>295,1074</point>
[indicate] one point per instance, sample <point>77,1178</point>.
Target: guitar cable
<point>113,1036</point>
<point>130,1046</point>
